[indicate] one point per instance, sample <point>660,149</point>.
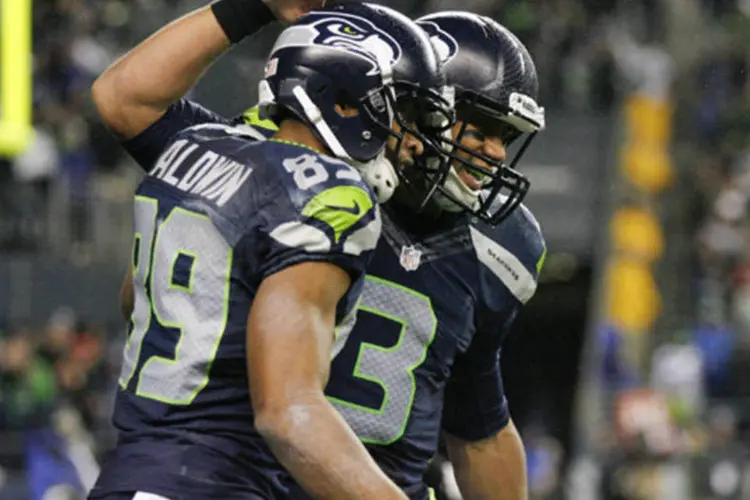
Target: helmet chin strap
<point>378,173</point>
<point>312,112</point>
<point>456,187</point>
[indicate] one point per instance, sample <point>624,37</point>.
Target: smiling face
<point>484,139</point>
<point>475,141</point>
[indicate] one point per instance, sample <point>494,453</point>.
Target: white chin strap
<point>460,191</point>
<point>312,112</point>
<point>378,173</point>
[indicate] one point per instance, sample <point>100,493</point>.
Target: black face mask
<point>504,187</point>
<point>421,113</point>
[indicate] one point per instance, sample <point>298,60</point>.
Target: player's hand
<point>288,11</point>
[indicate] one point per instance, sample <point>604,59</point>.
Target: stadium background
<point>628,373</point>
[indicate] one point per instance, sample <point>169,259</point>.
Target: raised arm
<point>137,89</point>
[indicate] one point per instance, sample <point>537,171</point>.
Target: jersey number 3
<point>181,271</point>
<point>381,378</point>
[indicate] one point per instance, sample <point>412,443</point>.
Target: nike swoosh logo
<point>351,210</point>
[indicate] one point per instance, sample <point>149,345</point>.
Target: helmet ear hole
<point>345,105</point>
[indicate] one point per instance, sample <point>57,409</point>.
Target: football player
<point>500,252</point>
<point>248,253</point>
<point>458,257</point>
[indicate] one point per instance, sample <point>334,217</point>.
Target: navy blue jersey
<point>425,349</point>
<point>438,301</point>
<point>149,145</point>
<point>216,214</point>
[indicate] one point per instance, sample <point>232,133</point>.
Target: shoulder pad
<point>211,134</point>
<point>251,122</point>
<point>513,251</point>
<point>330,197</point>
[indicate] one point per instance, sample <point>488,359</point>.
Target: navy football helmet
<point>496,88</point>
<point>367,57</point>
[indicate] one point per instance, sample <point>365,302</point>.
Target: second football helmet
<point>496,88</point>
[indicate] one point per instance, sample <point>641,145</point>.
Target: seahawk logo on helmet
<point>445,45</point>
<point>347,32</point>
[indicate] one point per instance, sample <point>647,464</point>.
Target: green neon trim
<point>252,117</point>
<point>136,271</point>
<point>540,262</point>
<point>409,369</point>
<point>340,207</point>
<point>179,326</point>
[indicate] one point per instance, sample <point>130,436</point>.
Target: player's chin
<point>405,160</point>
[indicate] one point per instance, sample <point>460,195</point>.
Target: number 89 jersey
<point>217,214</point>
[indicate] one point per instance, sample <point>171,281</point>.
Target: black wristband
<point>241,18</point>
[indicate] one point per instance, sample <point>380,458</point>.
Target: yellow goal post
<point>15,76</point>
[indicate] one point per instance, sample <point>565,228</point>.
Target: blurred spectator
<point>719,101</point>
<point>544,455</point>
<point>52,395</point>
<point>82,377</point>
<point>34,171</point>
<point>28,383</point>
<point>66,171</point>
<point>58,335</point>
<point>741,298</point>
<point>29,399</point>
<point>718,471</point>
<point>716,343</point>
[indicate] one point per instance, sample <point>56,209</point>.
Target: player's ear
<point>345,106</point>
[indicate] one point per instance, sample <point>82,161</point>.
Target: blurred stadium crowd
<point>56,385</point>
<point>69,194</point>
<point>76,39</point>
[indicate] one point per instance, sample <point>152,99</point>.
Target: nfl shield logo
<point>410,257</point>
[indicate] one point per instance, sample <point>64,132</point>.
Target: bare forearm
<point>491,469</point>
<point>137,89</point>
<point>314,443</point>
<point>288,365</point>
